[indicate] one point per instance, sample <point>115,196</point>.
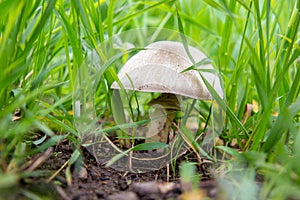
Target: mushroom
<point>159,68</point>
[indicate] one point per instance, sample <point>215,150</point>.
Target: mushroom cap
<point>158,68</point>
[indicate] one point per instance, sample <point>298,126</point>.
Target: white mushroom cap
<point>158,69</point>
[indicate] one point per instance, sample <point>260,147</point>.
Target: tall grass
<point>34,83</point>
<point>254,46</point>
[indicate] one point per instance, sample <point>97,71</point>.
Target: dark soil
<point>93,180</point>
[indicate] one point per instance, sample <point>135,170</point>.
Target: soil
<point>93,180</point>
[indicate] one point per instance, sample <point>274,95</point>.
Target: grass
<point>254,45</point>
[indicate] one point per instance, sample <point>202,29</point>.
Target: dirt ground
<point>95,181</point>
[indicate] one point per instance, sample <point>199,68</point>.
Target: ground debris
<point>95,181</point>
<point>123,195</point>
<point>155,188</point>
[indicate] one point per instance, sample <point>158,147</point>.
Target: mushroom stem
<point>162,117</point>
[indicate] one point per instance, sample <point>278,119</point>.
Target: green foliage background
<point>254,45</point>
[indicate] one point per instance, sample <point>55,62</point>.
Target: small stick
<point>168,172</point>
<point>55,174</point>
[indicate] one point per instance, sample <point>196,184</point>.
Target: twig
<point>55,174</point>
